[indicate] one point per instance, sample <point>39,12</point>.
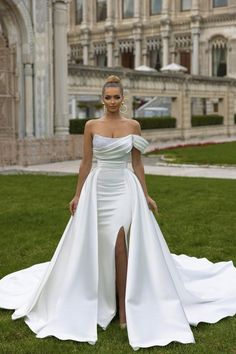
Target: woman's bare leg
<point>121,260</point>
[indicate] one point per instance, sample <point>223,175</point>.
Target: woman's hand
<point>73,204</point>
<point>152,204</point>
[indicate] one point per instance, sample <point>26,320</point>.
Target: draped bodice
<point>115,152</point>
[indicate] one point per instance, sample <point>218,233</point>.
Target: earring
<point>125,107</point>
<point>104,108</point>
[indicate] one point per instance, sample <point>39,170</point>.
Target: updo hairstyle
<point>113,81</point>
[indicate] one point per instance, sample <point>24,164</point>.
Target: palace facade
<point>39,38</point>
<point>198,34</point>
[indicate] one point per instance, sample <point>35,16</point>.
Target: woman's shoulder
<point>131,122</point>
<point>134,126</point>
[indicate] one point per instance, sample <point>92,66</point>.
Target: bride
<point>112,245</point>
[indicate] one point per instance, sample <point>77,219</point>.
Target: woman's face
<point>112,99</point>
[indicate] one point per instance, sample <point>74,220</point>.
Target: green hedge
<point>235,118</point>
<point>206,120</point>
<point>77,125</point>
<point>157,122</point>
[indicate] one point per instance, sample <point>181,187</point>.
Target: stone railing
<point>181,88</point>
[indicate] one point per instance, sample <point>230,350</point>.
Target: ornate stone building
<point>198,34</point>
<point>33,76</point>
<point>37,37</point>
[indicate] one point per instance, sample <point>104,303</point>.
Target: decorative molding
<point>99,47</point>
<point>153,43</point>
<point>183,40</point>
<point>126,45</point>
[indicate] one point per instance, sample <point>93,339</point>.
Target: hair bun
<point>113,78</point>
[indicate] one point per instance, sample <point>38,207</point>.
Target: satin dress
<point>68,296</point>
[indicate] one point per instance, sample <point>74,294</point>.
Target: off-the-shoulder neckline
<point>118,137</point>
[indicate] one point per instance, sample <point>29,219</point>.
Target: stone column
<point>165,8</point>
<point>109,42</point>
<point>165,47</point>
<point>60,67</point>
<point>137,29</point>
<point>85,44</point>
<point>109,28</point>
<point>109,19</point>
<point>165,30</point>
<point>137,9</point>
<point>195,7</point>
<point>185,111</point>
<point>85,33</point>
<point>85,13</point>
<point>29,114</point>
<point>195,27</point>
<point>195,52</point>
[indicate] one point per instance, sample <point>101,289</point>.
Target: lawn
<point>212,154</point>
<point>197,217</point>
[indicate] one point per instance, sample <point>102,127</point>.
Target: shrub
<point>77,125</point>
<point>157,122</point>
<point>206,120</point>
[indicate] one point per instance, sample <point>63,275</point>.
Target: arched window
<point>127,8</point>
<point>101,7</point>
<point>219,56</point>
<point>155,7</point>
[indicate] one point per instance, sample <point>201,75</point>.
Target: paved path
<point>151,165</point>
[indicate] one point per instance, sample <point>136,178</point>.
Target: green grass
<point>196,217</point>
<point>213,154</point>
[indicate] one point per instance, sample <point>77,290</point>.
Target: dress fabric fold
<point>68,296</point>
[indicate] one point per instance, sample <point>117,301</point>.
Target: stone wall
<point>30,151</point>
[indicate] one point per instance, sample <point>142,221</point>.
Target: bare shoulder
<point>134,126</point>
<point>90,123</point>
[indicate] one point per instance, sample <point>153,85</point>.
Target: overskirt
<point>165,293</point>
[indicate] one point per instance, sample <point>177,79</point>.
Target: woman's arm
<point>85,165</point>
<point>138,168</point>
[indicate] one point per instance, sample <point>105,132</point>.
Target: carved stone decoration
<point>7,89</point>
<point>153,43</point>
<point>100,47</point>
<point>126,45</point>
<point>183,40</point>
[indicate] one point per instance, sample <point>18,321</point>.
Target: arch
<point>218,41</point>
<point>17,28</point>
<point>17,14</point>
<point>219,55</point>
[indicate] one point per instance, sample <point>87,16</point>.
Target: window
<point>127,60</point>
<point>155,59</point>
<point>101,10</point>
<point>220,3</point>
<point>219,66</point>
<point>79,11</point>
<point>128,8</point>
<point>101,60</point>
<point>155,7</point>
<point>186,5</point>
<point>185,60</point>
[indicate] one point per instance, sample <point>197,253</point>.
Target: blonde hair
<point>113,81</point>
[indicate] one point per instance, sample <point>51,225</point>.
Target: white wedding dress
<point>69,295</point>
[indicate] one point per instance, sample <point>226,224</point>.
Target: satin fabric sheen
<point>68,296</point>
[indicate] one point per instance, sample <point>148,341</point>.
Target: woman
<point>111,243</point>
<point>113,126</point>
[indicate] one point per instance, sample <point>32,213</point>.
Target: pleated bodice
<point>115,152</point>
